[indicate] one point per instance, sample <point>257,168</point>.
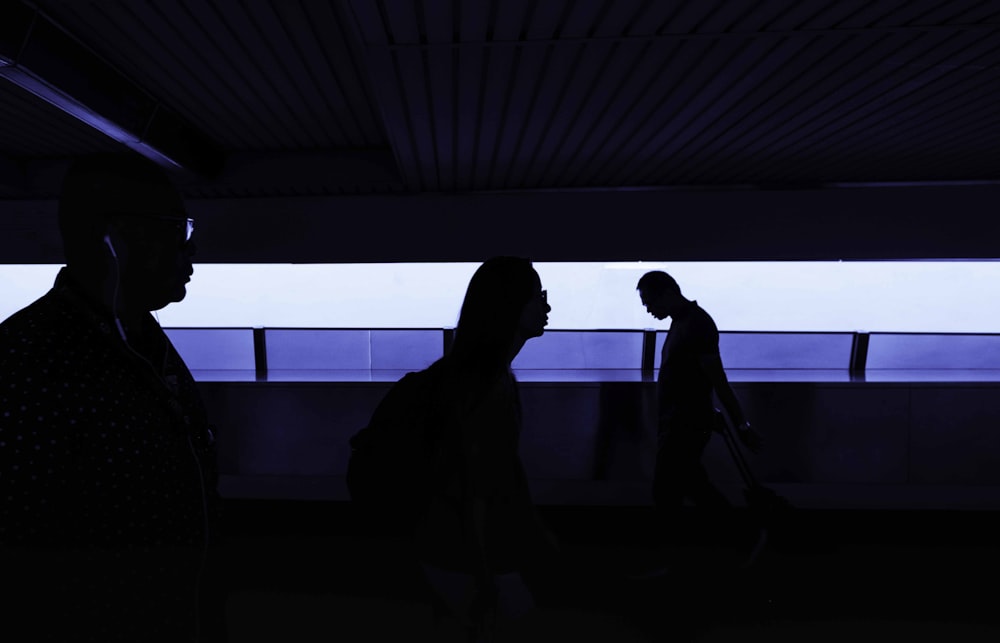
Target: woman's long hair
<point>488,323</point>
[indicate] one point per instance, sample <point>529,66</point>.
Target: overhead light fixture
<point>41,58</point>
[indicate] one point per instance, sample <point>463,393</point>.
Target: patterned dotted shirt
<point>106,473</point>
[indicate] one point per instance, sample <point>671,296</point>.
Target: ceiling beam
<point>848,224</point>
<point>305,172</point>
<point>42,58</point>
<point>262,174</point>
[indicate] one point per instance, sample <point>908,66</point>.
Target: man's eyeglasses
<point>184,225</point>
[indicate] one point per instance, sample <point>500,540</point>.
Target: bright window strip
<point>904,297</point>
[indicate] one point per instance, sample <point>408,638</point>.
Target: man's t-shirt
<point>684,389</point>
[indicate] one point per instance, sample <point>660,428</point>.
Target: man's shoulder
<point>699,330</point>
<point>46,323</point>
<point>695,320</point>
<point>41,311</point>
<point>701,319</point>
<point>698,311</point>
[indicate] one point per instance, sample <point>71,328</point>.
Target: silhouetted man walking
<point>690,371</point>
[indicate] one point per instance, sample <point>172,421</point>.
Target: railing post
<point>859,354</point>
<point>448,338</point>
<point>260,353</point>
<point>648,351</point>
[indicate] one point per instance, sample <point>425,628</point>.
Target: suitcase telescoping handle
<point>734,449</point>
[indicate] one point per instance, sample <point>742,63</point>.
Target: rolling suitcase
<point>766,507</point>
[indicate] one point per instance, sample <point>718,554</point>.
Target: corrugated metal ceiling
<point>253,75</point>
<point>518,94</point>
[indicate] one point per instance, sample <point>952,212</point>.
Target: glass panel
<point>312,349</point>
<point>891,350</point>
<point>582,349</point>
<point>785,350</point>
<point>406,349</point>
<point>779,350</point>
<point>214,348</point>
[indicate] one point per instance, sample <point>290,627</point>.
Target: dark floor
<point>306,571</point>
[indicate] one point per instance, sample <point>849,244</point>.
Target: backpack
<point>395,460</point>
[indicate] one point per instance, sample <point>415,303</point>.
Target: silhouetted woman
<point>481,527</point>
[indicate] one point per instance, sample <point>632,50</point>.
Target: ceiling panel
<point>601,94</point>
<point>254,75</point>
<point>356,96</point>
